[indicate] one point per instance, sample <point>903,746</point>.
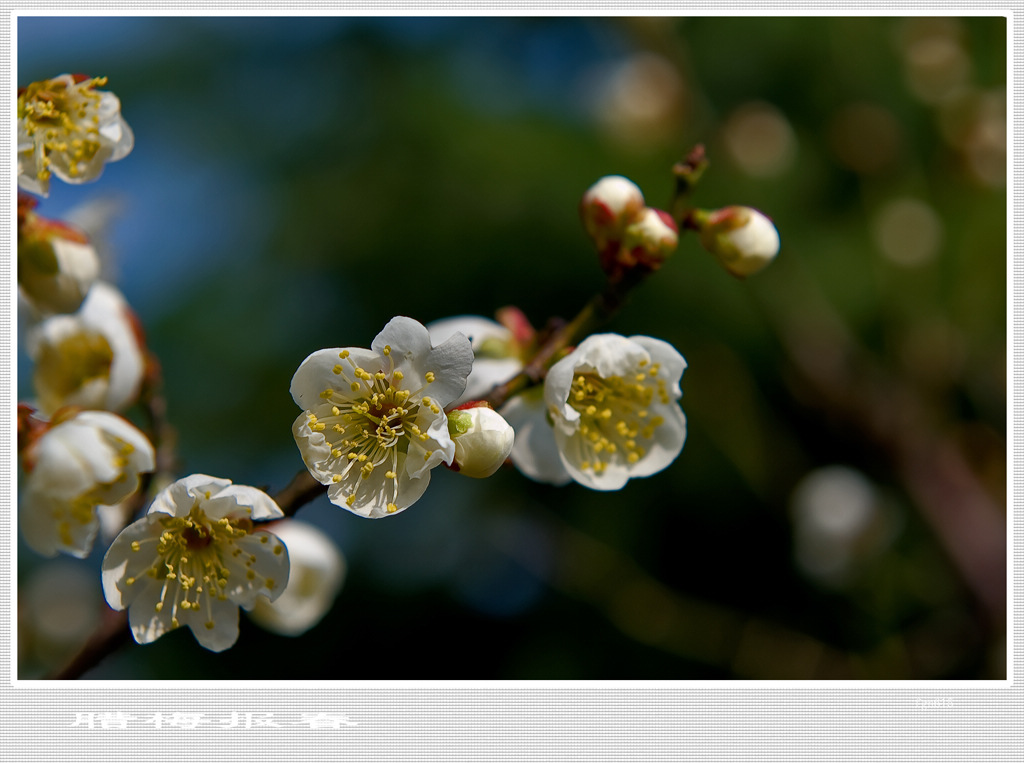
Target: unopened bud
<point>652,237</point>
<point>483,440</point>
<point>743,239</point>
<point>56,264</point>
<point>608,207</point>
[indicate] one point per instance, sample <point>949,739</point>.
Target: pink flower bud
<point>651,237</point>
<point>608,207</point>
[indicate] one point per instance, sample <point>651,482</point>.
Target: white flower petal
<point>242,499</point>
<point>450,362</point>
<point>50,526</point>
<point>534,452</point>
<point>121,562</point>
<point>476,328</point>
<point>76,465</point>
<point>179,498</point>
<point>317,372</point>
<point>665,444</point>
<point>270,569</point>
<point>146,623</point>
<point>224,617</point>
<point>672,363</point>
<point>91,358</point>
<point>317,570</point>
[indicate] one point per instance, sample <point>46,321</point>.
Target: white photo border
<point>538,721</point>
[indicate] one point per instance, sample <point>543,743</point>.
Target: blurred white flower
<point>56,263</point>
<point>373,422</point>
<point>760,139</point>
<point>317,573</point>
<point>91,459</point>
<point>534,451</point>
<point>60,606</point>
<point>611,413</point>
<point>641,101</point>
<point>194,559</point>
<point>483,440</point>
<point>839,521</point>
<point>91,358</point>
<point>908,231</point>
<point>69,129</point>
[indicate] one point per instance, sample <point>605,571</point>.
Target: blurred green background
<point>838,510</point>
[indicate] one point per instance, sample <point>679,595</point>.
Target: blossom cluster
<point>466,392</point>
<point>198,554</point>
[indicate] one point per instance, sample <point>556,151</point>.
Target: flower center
<point>70,364</point>
<point>615,420</point>
<point>369,422</point>
<point>64,119</point>
<point>192,559</point>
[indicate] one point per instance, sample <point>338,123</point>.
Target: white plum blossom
<point>316,575</point>
<point>744,240</point>
<point>91,459</point>
<point>496,352</point>
<point>610,412</point>
<point>69,129</point>
<point>483,440</point>
<point>373,422</point>
<point>90,359</point>
<point>194,559</point>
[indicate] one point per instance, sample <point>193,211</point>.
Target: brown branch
<point>300,491</point>
<point>105,640</point>
<point>599,310</point>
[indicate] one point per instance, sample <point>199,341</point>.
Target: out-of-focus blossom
<point>194,559</point>
<point>640,101</point>
<point>316,576</point>
<point>483,440</point>
<point>611,413</point>
<point>759,139</point>
<point>68,128</point>
<point>59,609</point>
<point>935,59</point>
<point>908,231</point>
<point>839,522</point>
<point>373,422</point>
<point>89,459</point>
<point>534,451</point>
<point>92,358</point>
<point>56,262</point>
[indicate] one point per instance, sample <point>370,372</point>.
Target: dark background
<point>296,182</point>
